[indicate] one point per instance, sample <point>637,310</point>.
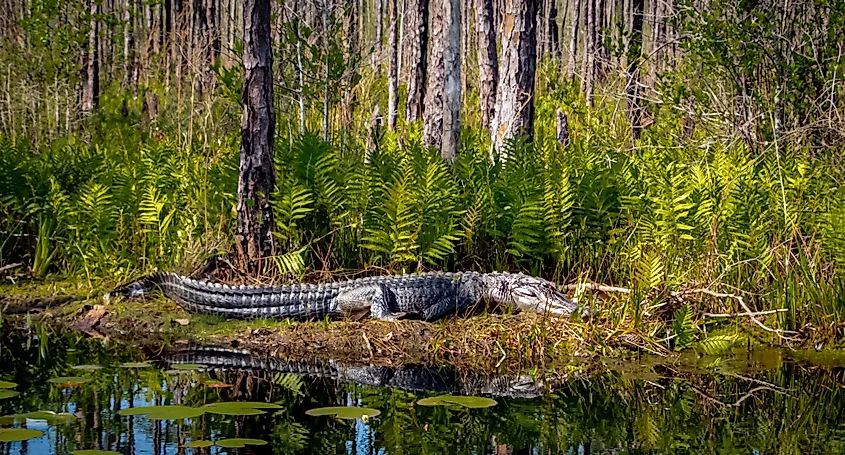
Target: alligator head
<point>528,293</point>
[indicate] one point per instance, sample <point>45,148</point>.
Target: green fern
<point>684,328</point>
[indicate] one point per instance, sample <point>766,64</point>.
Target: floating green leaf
<point>7,385</point>
<point>198,444</point>
<point>344,412</point>
<point>18,434</point>
<point>135,365</point>
<point>87,367</point>
<point>164,412</point>
<point>236,443</point>
<point>5,393</point>
<point>69,381</point>
<point>51,417</point>
<point>240,407</point>
<point>465,401</point>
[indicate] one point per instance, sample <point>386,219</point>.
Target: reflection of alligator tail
<point>408,377</point>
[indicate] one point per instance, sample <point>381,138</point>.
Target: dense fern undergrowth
<point>665,214</point>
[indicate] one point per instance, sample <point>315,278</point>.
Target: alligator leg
<point>376,298</point>
<point>443,307</point>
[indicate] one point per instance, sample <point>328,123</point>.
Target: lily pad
<point>87,367</point>
<point>135,365</point>
<point>199,444</point>
<point>7,385</point>
<point>344,412</point>
<point>5,393</point>
<point>69,381</point>
<point>51,417</point>
<point>188,366</point>
<point>163,412</point>
<point>94,452</point>
<point>236,443</point>
<point>18,434</point>
<point>242,408</point>
<point>467,402</point>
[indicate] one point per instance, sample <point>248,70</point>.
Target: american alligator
<point>424,296</point>
<point>408,377</point>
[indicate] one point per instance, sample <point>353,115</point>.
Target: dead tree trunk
<point>378,17</point>
<point>515,96</point>
<point>488,61</point>
<point>393,70</point>
<point>573,41</point>
<point>91,66</point>
<point>417,58</point>
<point>256,180</point>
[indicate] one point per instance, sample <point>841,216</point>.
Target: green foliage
<point>684,327</point>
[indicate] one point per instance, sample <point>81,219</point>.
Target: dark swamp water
<point>746,405</point>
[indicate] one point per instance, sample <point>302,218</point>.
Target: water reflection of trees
<point>789,410</point>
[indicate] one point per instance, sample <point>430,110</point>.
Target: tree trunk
<point>417,58</point>
<point>488,61</point>
<point>433,109</point>
<point>573,42</point>
<point>91,67</point>
<point>256,180</point>
<point>635,46</point>
<point>393,70</point>
<point>452,81</point>
<point>128,43</point>
<point>379,25</point>
<point>326,14</point>
<point>590,52</point>
<point>515,95</point>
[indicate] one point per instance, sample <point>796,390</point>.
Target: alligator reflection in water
<point>418,378</point>
<point>604,413</point>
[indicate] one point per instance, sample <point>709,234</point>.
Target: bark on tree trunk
<point>393,70</point>
<point>590,52</point>
<point>128,43</point>
<point>517,66</point>
<point>91,68</point>
<point>256,180</point>
<point>417,58</point>
<point>488,61</point>
<point>452,81</point>
<point>379,25</point>
<point>635,46</point>
<point>433,108</point>
<point>573,42</point>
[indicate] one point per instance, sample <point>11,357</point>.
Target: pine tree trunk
<point>326,13</point>
<point>393,70</point>
<point>128,43</point>
<point>488,61</point>
<point>452,81</point>
<point>379,26</point>
<point>91,67</point>
<point>573,42</point>
<point>436,81</point>
<point>635,46</point>
<point>515,96</point>
<point>256,180</point>
<point>417,58</point>
<point>590,52</point>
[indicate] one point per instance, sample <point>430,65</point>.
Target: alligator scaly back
<point>425,296</point>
